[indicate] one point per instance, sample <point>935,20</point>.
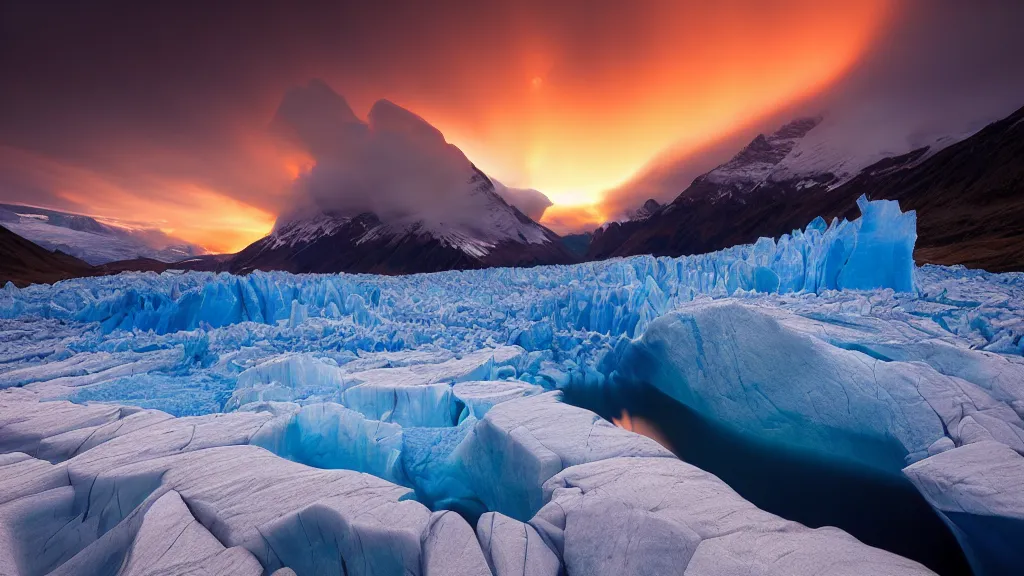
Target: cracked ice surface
<point>199,422</point>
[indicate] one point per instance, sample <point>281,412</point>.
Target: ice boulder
<point>403,403</point>
<point>882,255</point>
<point>289,377</point>
<point>514,548</point>
<point>28,431</point>
<point>190,548</point>
<point>60,447</point>
<point>901,337</point>
<point>663,516</point>
<point>519,444</point>
<point>979,489</point>
<point>751,370</point>
<point>22,475</point>
<point>450,548</point>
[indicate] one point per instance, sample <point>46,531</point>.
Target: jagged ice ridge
<point>365,424</point>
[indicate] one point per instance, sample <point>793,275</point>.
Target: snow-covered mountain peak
<point>815,151</point>
<point>757,160</point>
<point>859,135</point>
<point>486,221</point>
<point>299,231</point>
<point>797,128</point>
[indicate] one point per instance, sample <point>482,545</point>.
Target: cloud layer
<point>395,165</point>
<point>158,111</point>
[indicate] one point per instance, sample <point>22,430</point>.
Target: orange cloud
<point>226,226</point>
<point>297,163</point>
<point>183,209</point>
<point>571,219</point>
<point>566,98</point>
<point>695,73</point>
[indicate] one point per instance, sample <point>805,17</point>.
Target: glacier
<point>424,424</point>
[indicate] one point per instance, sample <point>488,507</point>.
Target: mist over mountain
<point>936,74</point>
<point>531,202</point>
<point>391,195</point>
<point>93,241</point>
<point>966,193</point>
<point>395,165</point>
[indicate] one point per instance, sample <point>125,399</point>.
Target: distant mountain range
<point>968,194</point>
<point>969,197</point>
<point>90,240</point>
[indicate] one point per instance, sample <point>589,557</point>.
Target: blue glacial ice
<point>325,423</point>
<point>331,436</point>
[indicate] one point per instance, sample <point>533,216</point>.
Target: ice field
<point>357,424</point>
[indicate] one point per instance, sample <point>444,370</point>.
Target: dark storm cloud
<point>176,67</point>
<point>941,51</point>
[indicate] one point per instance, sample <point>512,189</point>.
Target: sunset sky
<point>155,114</point>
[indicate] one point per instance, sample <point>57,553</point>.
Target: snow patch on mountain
<point>304,231</point>
<point>761,157</point>
<point>821,156</point>
<point>90,240</point>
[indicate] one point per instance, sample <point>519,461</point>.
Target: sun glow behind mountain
<point>565,99</point>
<point>575,126</point>
<point>698,74</point>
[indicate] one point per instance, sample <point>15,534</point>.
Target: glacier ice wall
<point>329,395</point>
<point>617,296</point>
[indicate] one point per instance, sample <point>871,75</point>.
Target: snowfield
<point>357,424</point>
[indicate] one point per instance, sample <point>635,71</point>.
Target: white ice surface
<point>260,400</point>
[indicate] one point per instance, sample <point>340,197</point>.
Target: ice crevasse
<point>362,424</point>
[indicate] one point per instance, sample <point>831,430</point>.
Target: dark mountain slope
<point>24,263</point>
<point>969,198</point>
